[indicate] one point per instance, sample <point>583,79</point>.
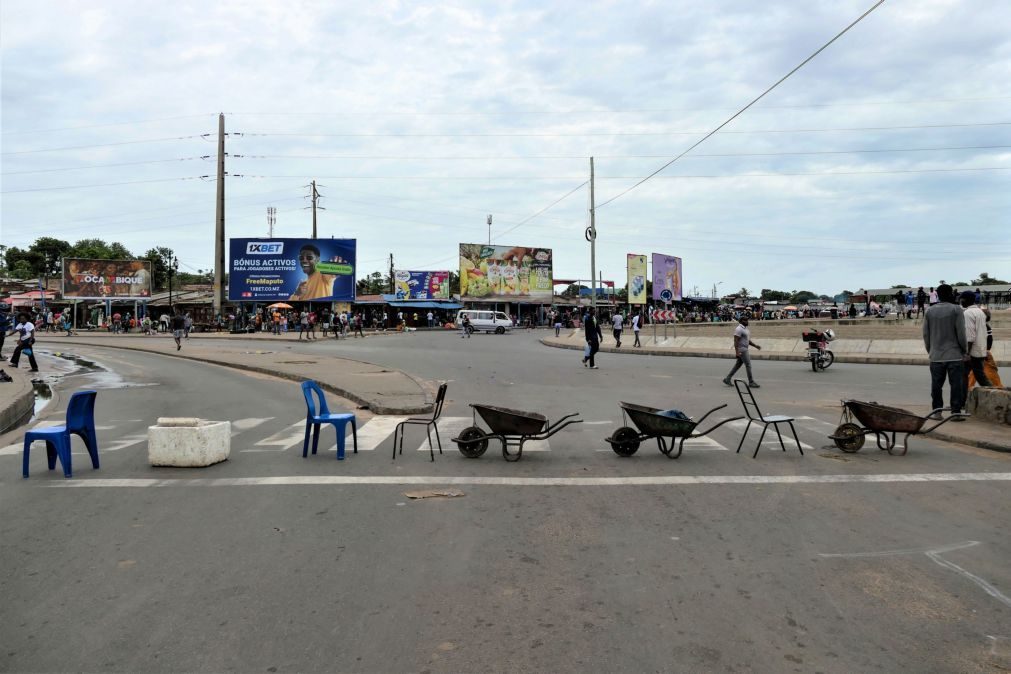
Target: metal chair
<point>755,415</point>
<point>339,421</point>
<point>428,423</point>
<point>80,422</point>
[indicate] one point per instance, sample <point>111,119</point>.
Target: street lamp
<point>715,286</point>
<point>173,267</point>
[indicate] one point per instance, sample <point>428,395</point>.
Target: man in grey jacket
<point>944,337</point>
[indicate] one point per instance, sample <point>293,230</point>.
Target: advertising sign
<point>505,273</point>
<point>285,270</point>
<point>666,277</point>
<point>106,279</point>
<point>421,285</point>
<point>636,279</point>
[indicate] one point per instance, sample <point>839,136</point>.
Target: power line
<point>742,110</point>
<point>642,179</point>
<point>604,111</point>
<point>84,147</point>
<point>130,182</point>
<point>99,126</point>
<point>553,203</point>
<point>611,133</point>
<point>96,166</point>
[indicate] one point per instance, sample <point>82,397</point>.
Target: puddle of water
<point>43,395</point>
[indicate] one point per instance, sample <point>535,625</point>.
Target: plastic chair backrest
<point>440,398</point>
<point>81,411</point>
<point>308,389</point>
<point>748,400</point>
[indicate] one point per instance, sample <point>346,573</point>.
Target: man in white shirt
<point>617,321</point>
<point>26,337</point>
<point>742,340</point>
<point>636,320</point>
<point>934,299</point>
<point>975,336</point>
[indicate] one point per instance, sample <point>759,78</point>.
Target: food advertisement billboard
<point>505,273</point>
<point>292,270</point>
<point>106,279</point>
<point>666,278</point>
<point>421,285</point>
<point>636,279</point>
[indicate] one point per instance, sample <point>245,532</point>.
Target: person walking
<point>431,319</point>
<point>178,325</point>
<point>591,329</point>
<point>556,317</point>
<point>934,296</point>
<point>5,325</point>
<point>742,342</point>
<point>303,325</point>
<point>636,326</point>
<point>26,338</point>
<point>944,339</point>
<point>975,338</point>
<point>465,327</point>
<point>921,300</point>
<point>617,323</point>
<point>358,326</point>
<point>187,325</point>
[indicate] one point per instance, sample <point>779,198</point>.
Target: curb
<point>982,444</point>
<point>19,410</point>
<point>865,360</point>
<point>371,405</point>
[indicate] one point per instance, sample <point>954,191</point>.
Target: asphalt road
<point>270,562</point>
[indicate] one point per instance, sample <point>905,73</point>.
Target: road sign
<point>666,295</point>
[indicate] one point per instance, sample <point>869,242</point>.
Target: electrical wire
<point>96,166</point>
<point>608,156</point>
<point>130,182</point>
<point>742,110</point>
<point>99,126</point>
<point>84,147</point>
<point>553,203</point>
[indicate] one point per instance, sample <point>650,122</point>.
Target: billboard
<point>666,278</point>
<point>292,270</point>
<point>106,279</point>
<point>421,285</point>
<point>505,273</point>
<point>636,279</point>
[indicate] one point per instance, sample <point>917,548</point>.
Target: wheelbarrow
<point>513,428</point>
<point>882,420</point>
<point>651,422</point>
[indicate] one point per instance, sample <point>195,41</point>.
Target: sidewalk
<point>972,432</point>
<point>17,398</point>
<point>379,389</point>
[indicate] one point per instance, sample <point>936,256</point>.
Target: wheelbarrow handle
<point>942,421</point>
<point>713,428</point>
<point>710,412</point>
<point>558,423</point>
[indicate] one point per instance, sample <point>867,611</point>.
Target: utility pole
<point>219,224</point>
<point>591,236</point>
<point>315,197</point>
<point>392,282</point>
<point>271,221</point>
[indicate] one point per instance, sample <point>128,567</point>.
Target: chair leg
<point>63,452</point>
<point>305,443</point>
<point>51,455</point>
<point>91,443</point>
<point>403,429</point>
<point>743,435</point>
<point>437,438</point>
<point>796,439</point>
<point>396,430</point>
<point>776,426</point>
<point>340,430</point>
<point>759,446</point>
<point>354,435</point>
<point>24,460</point>
<point>315,438</point>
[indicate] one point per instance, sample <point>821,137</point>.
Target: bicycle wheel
<point>814,362</point>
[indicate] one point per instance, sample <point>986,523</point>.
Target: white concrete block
<point>193,445</point>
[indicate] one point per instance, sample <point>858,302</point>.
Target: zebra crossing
<point>376,433</point>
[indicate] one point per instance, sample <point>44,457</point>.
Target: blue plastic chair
<point>313,420</point>
<point>80,422</point>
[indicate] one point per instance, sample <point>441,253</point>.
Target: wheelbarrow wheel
<point>472,442</point>
<point>625,441</point>
<point>849,438</point>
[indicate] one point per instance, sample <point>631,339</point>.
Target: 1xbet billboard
<point>292,270</point>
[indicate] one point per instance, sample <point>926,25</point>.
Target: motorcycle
<point>818,353</point>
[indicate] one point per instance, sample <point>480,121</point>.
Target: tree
<point>52,251</point>
<point>770,295</point>
<point>161,258</point>
<point>799,297</point>
<point>454,283</point>
<point>743,292</point>
<point>985,279</point>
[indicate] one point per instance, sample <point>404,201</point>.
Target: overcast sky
<point>886,159</point>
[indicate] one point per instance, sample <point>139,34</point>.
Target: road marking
<point>372,433</point>
<point>656,480</point>
<point>281,440</point>
<point>770,439</point>
<point>242,425</point>
<point>449,428</point>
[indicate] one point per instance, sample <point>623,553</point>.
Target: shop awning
<point>425,304</point>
